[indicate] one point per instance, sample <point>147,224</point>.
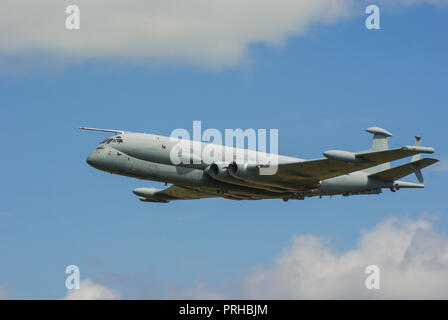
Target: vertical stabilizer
<point>379,143</point>
<point>417,171</point>
<point>418,142</point>
<point>380,136</point>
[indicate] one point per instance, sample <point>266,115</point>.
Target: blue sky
<point>320,89</point>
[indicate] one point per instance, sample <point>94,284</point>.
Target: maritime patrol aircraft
<point>149,157</point>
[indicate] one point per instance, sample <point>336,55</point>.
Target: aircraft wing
<point>174,192</point>
<point>312,171</point>
<point>177,192</point>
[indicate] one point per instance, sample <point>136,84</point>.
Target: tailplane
<point>414,166</point>
<point>404,170</point>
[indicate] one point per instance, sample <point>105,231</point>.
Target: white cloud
<point>412,257</point>
<point>89,290</point>
<point>211,33</point>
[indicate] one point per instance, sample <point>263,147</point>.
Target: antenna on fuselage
<point>104,130</point>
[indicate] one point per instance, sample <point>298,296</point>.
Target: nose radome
<point>92,159</point>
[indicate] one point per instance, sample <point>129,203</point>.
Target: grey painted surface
<point>147,157</point>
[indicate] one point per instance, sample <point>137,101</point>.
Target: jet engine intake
<point>217,171</point>
<point>243,171</point>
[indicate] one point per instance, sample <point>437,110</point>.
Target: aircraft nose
<point>92,159</point>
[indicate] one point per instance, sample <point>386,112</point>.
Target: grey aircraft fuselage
<point>148,157</point>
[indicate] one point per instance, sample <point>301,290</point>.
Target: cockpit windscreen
<point>117,139</point>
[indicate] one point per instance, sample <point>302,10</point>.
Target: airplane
<point>148,157</point>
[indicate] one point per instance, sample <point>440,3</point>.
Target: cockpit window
<point>117,139</point>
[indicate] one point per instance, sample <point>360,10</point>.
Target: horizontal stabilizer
<point>403,170</point>
<point>393,154</point>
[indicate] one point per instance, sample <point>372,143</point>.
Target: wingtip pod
<point>403,184</point>
<point>149,195</point>
<point>146,192</point>
<point>418,149</point>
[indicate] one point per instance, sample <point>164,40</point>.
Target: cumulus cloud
<point>411,256</point>
<point>89,290</point>
<point>211,33</point>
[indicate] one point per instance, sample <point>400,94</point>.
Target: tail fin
<point>416,158</point>
<point>379,143</point>
<point>418,142</point>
